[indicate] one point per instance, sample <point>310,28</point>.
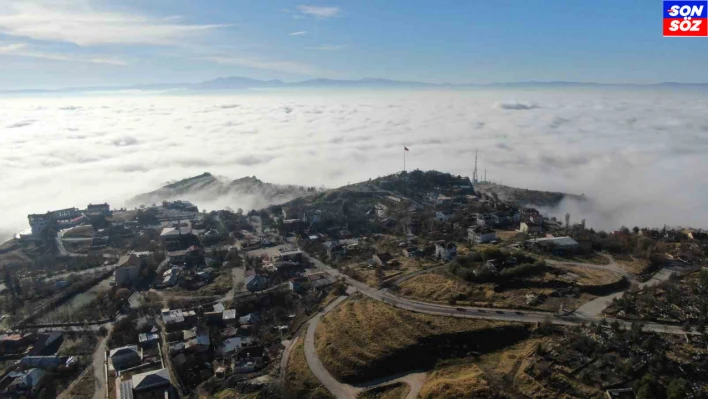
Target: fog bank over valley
<point>638,156</point>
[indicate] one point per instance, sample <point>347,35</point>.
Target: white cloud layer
<point>641,156</point>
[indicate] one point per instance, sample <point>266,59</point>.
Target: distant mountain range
<point>240,83</point>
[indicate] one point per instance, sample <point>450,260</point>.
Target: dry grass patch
<point>444,289</point>
<point>584,276</point>
<point>632,264</point>
<point>433,287</point>
<point>85,387</point>
<point>299,380</point>
<point>396,390</point>
<point>506,235</point>
<point>456,381</point>
<point>490,375</point>
<point>365,339</point>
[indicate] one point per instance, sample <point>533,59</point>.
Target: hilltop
<point>248,192</point>
<point>523,196</point>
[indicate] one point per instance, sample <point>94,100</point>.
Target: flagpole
<point>404,158</point>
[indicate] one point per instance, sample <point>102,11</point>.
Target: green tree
<point>677,389</point>
<point>647,388</point>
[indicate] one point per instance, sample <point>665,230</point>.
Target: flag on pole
<point>405,148</point>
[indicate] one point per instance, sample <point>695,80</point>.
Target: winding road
<point>341,390</point>
<point>585,314</point>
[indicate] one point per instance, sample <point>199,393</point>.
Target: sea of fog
<point>641,155</point>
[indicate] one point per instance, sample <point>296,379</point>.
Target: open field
<point>456,381</point>
<point>593,258</point>
<point>586,277</point>
<point>299,379</point>
<point>364,339</point>
<point>440,287</point>
<point>632,264</point>
<point>490,375</point>
<point>397,390</point>
<point>508,235</point>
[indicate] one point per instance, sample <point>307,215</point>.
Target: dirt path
<point>98,370</point>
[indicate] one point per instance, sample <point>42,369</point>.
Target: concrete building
<point>151,384</point>
<point>481,235</point>
<point>172,319</point>
<point>128,269</point>
<point>531,228</point>
<point>99,209</point>
<point>63,218</point>
<point>445,251</point>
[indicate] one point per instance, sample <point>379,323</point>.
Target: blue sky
<point>59,43</point>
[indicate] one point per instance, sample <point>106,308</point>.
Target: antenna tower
<point>474,174</point>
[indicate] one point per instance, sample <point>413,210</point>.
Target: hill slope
<point>521,196</point>
<point>210,191</point>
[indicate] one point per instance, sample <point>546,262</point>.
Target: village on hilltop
<point>167,300</point>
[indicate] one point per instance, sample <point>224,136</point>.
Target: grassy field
<point>397,390</point>
<point>486,376</point>
<point>299,380</point>
<point>456,381</point>
<point>363,339</point>
<point>632,264</point>
<point>591,277</point>
<point>368,275</point>
<point>441,288</point>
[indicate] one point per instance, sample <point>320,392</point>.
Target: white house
<point>531,228</point>
<point>480,235</point>
<point>445,251</point>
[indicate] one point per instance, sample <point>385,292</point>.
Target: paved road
<point>339,390</point>
<point>481,312</point>
<point>595,307</point>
